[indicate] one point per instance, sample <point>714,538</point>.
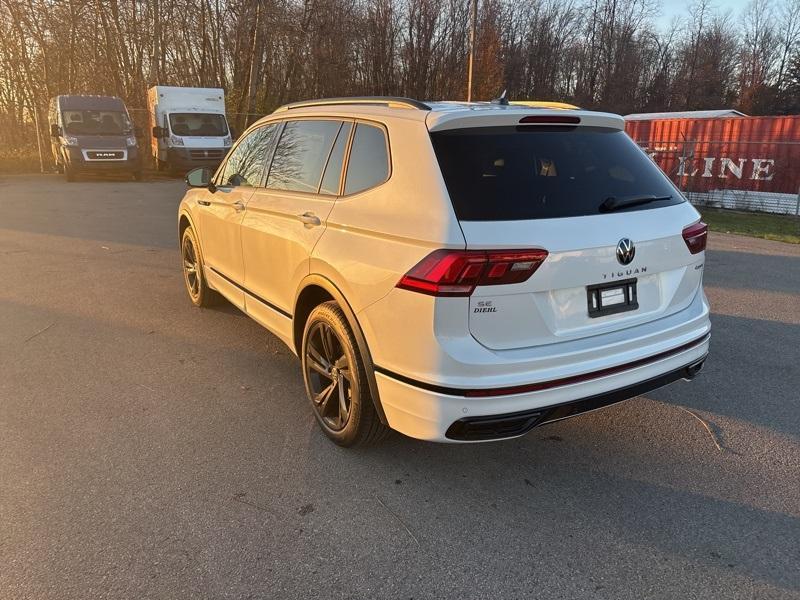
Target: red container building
<point>755,154</point>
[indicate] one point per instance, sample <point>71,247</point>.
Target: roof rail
<point>389,101</point>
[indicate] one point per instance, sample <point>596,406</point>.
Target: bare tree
<point>609,54</point>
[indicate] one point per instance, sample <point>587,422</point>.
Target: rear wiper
<point>616,202</point>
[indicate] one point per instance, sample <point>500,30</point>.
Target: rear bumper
<point>515,424</point>
<point>445,414</point>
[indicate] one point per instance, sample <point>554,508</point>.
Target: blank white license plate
<point>613,296</point>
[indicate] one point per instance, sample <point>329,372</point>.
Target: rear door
<point>285,219</point>
<point>611,264</point>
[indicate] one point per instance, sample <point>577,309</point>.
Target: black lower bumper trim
<point>497,427</point>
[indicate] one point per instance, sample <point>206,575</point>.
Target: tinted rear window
<point>510,173</point>
<point>301,155</point>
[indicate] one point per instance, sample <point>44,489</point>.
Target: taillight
<point>458,272</point>
<point>695,237</point>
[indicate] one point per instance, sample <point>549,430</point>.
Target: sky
<point>680,8</point>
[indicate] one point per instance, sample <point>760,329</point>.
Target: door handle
<point>310,219</point>
<point>238,206</point>
<point>204,202</point>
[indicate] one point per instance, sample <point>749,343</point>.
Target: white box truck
<point>189,127</point>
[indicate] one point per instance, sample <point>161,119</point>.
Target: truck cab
<point>189,127</point>
<point>92,134</point>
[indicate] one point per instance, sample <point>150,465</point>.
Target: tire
<point>342,404</point>
<point>193,278</point>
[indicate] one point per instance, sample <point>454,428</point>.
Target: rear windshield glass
<point>543,172</point>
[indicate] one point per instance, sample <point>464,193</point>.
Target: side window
<point>246,163</point>
<point>301,155</point>
<point>369,159</point>
<point>333,172</point>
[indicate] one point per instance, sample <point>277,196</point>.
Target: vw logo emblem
<point>625,251</point>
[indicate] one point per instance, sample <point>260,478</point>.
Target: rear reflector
<point>550,119</point>
<point>459,272</point>
<point>695,237</point>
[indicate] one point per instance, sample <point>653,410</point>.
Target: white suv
<point>456,272</point>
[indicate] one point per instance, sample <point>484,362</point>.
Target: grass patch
<point>782,228</point>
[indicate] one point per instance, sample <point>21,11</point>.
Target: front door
<point>221,213</point>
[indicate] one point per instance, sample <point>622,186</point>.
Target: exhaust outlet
<point>693,369</point>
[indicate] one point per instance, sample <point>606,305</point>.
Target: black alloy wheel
<point>330,376</point>
<point>336,380</point>
<point>191,268</point>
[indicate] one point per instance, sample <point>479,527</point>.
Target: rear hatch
<point>611,223</point>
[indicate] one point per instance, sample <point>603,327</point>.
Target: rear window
<point>514,173</point>
<point>301,155</point>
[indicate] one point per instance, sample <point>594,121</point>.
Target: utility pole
<point>473,11</point>
<point>251,77</point>
<point>38,137</point>
<point>155,67</point>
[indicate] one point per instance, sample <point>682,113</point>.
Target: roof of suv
<point>441,115</point>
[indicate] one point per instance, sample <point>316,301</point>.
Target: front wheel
<point>199,292</point>
<point>336,380</point>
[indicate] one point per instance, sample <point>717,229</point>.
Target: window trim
<point>281,122</point>
<point>268,165</point>
<point>345,156</point>
<point>347,161</point>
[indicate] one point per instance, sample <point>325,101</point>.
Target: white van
<point>189,127</point>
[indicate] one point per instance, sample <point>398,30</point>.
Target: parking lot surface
<point>150,449</point>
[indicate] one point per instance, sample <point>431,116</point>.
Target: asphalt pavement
<point>150,449</point>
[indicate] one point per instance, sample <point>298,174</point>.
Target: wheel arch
<point>313,291</point>
<point>185,221</point>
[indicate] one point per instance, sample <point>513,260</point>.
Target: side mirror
<point>200,177</point>
<point>55,130</point>
<point>158,132</point>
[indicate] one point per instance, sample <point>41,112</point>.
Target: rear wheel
<point>336,380</point>
<point>197,288</point>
